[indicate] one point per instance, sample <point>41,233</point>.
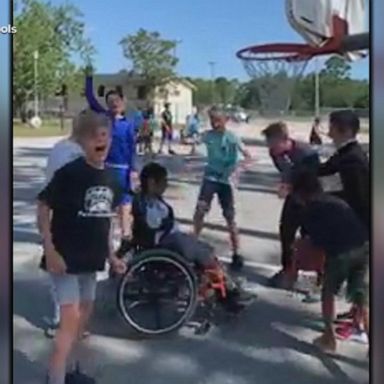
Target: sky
<point>209,31</point>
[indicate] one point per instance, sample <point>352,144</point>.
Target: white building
<point>179,93</point>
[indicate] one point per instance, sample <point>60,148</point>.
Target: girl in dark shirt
<point>154,225</point>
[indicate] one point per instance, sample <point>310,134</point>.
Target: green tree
<point>57,34</point>
<point>151,57</point>
<point>226,89</point>
<point>203,94</point>
<point>336,68</point>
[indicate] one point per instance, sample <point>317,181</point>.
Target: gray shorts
<point>224,194</point>
<point>74,289</point>
<point>190,248</point>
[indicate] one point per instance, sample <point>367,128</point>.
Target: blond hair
<point>87,122</point>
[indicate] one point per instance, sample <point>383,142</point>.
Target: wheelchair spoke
<point>157,295</point>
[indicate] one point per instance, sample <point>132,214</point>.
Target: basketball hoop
<point>276,68</point>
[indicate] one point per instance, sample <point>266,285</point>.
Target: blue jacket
<point>123,150</point>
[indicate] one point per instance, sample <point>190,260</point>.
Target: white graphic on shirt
<point>156,212</point>
<point>98,202</point>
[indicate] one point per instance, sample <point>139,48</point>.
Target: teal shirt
<point>223,155</point>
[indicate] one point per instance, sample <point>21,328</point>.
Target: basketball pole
<point>212,67</point>
<point>317,88</point>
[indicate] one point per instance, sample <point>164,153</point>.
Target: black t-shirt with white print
<point>83,200</point>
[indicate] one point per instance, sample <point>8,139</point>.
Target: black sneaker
<point>171,152</point>
<point>50,330</point>
<point>275,280</point>
<point>237,262</point>
<point>237,300</point>
<point>78,377</point>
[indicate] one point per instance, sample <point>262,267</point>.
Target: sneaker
<point>275,280</point>
<point>311,298</point>
<point>237,300</point>
<point>237,262</point>
<point>345,316</point>
<point>50,332</point>
<point>171,152</point>
<point>348,332</point>
<point>282,280</point>
<point>78,377</point>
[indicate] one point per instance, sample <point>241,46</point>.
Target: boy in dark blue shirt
<point>288,155</point>
<point>121,155</point>
<point>332,226</point>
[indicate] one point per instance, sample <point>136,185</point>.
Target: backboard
<point>319,21</point>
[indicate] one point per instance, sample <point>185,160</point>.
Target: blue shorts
<point>74,289</point>
<point>124,180</point>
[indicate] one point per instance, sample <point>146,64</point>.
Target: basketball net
<point>274,79</point>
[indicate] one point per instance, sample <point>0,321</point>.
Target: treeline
<point>337,90</point>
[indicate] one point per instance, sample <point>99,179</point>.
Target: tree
<point>151,57</point>
<point>226,90</point>
<point>336,68</point>
<point>57,34</point>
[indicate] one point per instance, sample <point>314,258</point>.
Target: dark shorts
<point>124,180</point>
<point>190,248</point>
<point>166,134</point>
<point>224,194</point>
<point>351,267</point>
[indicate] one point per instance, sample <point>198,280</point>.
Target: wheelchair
<point>160,292</point>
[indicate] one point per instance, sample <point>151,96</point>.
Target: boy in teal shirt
<point>223,150</point>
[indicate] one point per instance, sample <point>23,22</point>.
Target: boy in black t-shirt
<point>75,214</point>
<point>166,129</point>
<point>332,226</point>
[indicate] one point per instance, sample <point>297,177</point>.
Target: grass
<point>49,128</point>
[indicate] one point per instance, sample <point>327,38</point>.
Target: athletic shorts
<point>166,134</point>
<point>74,289</point>
<point>353,268</point>
<point>224,194</point>
<point>124,180</point>
<point>190,248</point>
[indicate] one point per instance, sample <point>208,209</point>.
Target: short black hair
<point>276,130</point>
<point>113,92</point>
<point>345,121</point>
<point>153,171</point>
<point>306,182</point>
<point>217,110</point>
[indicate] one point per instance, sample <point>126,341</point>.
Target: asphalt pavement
<point>269,343</point>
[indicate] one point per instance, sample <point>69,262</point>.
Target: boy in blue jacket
<point>121,156</point>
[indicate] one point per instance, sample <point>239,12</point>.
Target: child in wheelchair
<point>154,225</point>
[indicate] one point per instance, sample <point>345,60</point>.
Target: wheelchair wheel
<point>158,294</point>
